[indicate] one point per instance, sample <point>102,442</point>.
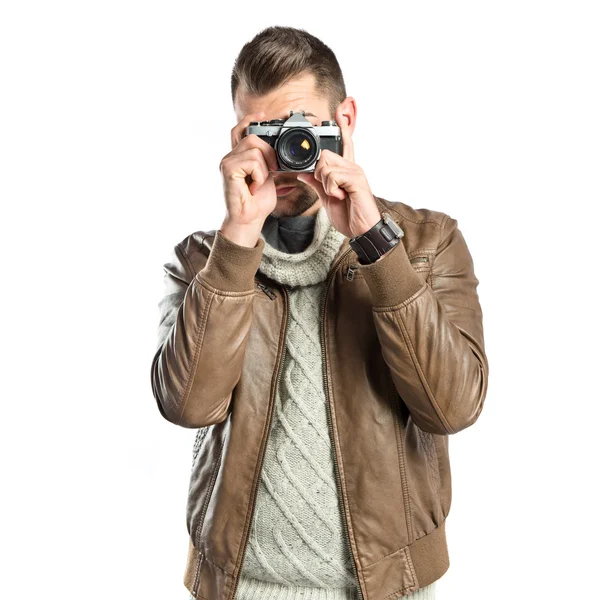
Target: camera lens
<point>297,148</point>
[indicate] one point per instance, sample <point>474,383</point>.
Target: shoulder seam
<point>407,218</point>
<point>443,230</point>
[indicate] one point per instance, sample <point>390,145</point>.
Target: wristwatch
<point>372,244</point>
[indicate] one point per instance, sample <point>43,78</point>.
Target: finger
<point>327,158</point>
<point>253,141</point>
<point>255,170</point>
<point>347,143</point>
<point>310,180</point>
<point>250,163</point>
<point>255,186</point>
<point>237,133</point>
<point>262,173</point>
<point>333,182</point>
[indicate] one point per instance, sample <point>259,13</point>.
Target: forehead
<point>296,94</point>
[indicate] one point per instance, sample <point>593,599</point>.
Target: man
<point>325,342</point>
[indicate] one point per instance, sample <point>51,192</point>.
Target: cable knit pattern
<point>297,546</point>
<point>310,266</point>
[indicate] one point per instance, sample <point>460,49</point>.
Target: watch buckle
<point>387,219</point>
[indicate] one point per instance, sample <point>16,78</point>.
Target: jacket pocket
<point>422,480</point>
<point>211,485</point>
<point>200,437</point>
<point>208,450</point>
<point>444,470</point>
<point>421,263</point>
<point>196,583</point>
<point>400,426</point>
<point>431,457</point>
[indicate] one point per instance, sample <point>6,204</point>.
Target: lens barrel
<point>297,148</point>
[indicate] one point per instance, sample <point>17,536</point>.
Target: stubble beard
<point>306,197</point>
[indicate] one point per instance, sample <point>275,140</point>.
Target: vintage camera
<point>297,142</point>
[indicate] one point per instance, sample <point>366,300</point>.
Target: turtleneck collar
<point>310,266</point>
<point>289,234</point>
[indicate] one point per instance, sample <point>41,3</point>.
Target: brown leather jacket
<point>404,367</point>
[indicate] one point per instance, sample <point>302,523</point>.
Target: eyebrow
<point>306,114</point>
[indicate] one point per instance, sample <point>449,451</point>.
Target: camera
<point>297,142</point>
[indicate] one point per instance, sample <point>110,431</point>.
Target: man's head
<point>283,69</point>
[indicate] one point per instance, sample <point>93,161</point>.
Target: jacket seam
<point>433,277</point>
<point>412,572</point>
<point>214,564</point>
<point>404,303</point>
<point>405,547</point>
<point>443,223</point>
<point>264,432</point>
<point>420,251</point>
<point>442,237</point>
<point>421,374</point>
<point>213,478</point>
<point>417,221</point>
<point>219,292</point>
<point>386,556</point>
<point>197,576</point>
<point>407,218</point>
<point>342,473</point>
<point>408,517</point>
<point>196,360</point>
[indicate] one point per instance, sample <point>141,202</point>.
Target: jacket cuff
<point>391,278</point>
<point>231,267</point>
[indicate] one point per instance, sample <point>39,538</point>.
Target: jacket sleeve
<point>432,335</point>
<point>205,320</point>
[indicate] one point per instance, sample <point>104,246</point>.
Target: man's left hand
<point>343,187</point>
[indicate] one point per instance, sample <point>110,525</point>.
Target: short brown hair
<point>278,54</point>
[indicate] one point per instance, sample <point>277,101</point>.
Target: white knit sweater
<point>297,546</point>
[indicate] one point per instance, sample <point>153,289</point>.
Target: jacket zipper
<point>213,479</point>
<point>350,272</point>
<point>418,259</point>
<point>266,289</point>
<point>328,405</point>
<point>270,418</point>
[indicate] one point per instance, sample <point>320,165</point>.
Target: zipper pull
<point>350,272</point>
<point>267,290</point>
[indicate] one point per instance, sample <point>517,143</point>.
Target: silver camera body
<point>297,142</point>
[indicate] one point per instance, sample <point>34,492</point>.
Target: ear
<point>348,109</point>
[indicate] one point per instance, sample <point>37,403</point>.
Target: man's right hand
<point>248,185</point>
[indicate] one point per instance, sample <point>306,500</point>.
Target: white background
<point>114,116</point>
